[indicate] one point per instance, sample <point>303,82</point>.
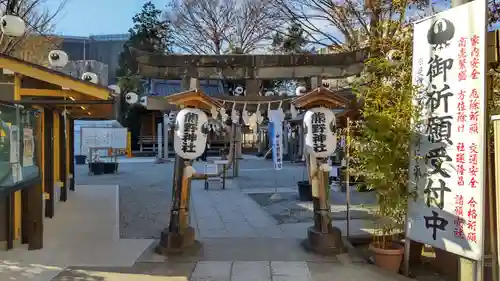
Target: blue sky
<point>86,17</point>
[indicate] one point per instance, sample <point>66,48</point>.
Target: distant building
<point>105,49</point>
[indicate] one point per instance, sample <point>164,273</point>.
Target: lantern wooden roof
<point>193,98</point>
<point>38,85</point>
<point>322,97</point>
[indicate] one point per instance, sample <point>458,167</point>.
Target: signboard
<point>276,118</point>
<point>447,172</point>
<point>103,137</point>
<point>15,158</point>
<point>14,144</point>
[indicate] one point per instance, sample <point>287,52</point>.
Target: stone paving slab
<point>230,214</point>
<point>257,270</point>
<point>242,249</point>
<point>233,271</point>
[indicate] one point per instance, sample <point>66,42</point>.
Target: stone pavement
<point>230,213</point>
<point>232,271</point>
<point>241,241</point>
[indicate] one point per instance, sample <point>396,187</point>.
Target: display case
<point>18,139</point>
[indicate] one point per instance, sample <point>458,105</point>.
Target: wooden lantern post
<point>322,237</point>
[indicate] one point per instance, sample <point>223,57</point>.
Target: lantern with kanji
<point>190,136</point>
<point>319,131</point>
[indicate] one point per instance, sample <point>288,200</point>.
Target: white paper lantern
<point>131,98</point>
<point>58,58</point>
<point>189,137</point>
<point>319,129</point>
<point>90,77</point>
<point>300,91</point>
<point>116,89</point>
<point>11,25</point>
<point>239,91</point>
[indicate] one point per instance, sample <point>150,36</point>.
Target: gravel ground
<point>146,191</point>
<point>144,197</point>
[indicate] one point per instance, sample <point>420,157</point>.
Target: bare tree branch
<point>349,24</point>
<point>253,29</point>
<point>38,19</point>
<point>222,26</point>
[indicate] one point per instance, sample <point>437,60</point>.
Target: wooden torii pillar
<point>322,237</point>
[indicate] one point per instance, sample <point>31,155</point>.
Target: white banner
<point>277,147</point>
<point>449,67</point>
<point>276,118</point>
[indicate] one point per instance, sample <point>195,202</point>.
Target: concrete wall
<point>77,68</point>
<point>104,50</point>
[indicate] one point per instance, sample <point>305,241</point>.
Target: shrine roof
<point>193,97</point>
<point>323,97</point>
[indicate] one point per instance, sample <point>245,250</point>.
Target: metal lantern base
<point>178,243</point>
<point>324,243</point>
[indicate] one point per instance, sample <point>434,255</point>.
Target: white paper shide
<point>189,138</point>
<point>320,138</point>
<point>447,170</point>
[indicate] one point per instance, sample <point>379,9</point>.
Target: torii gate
<point>179,237</point>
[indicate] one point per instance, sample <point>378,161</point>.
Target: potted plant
<point>380,143</point>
